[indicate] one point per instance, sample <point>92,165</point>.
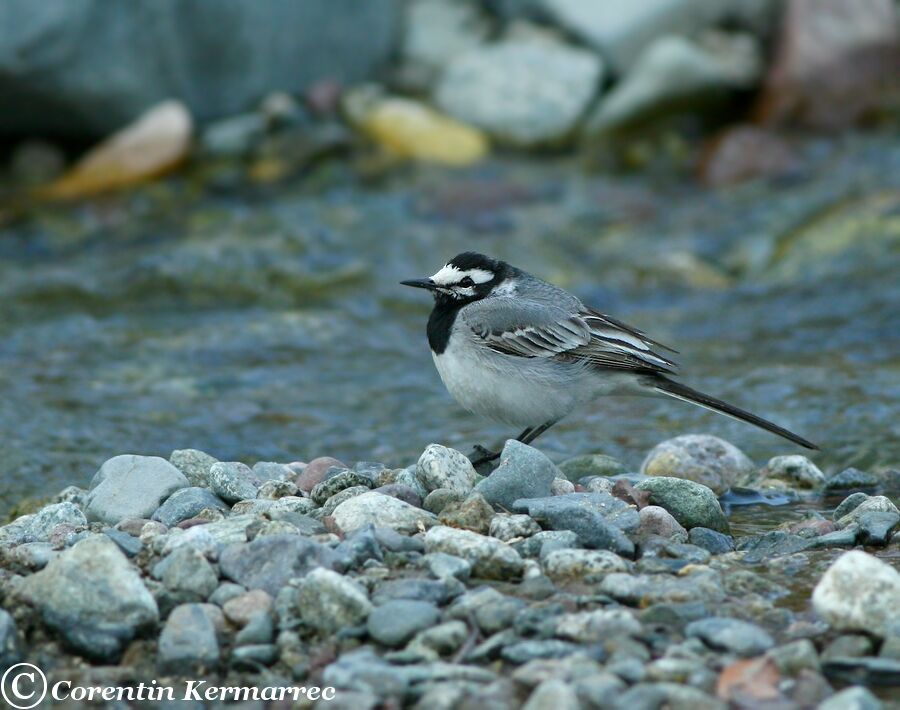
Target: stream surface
<point>267,323</point>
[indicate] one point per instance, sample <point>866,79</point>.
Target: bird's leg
<point>530,435</point>
<point>481,455</point>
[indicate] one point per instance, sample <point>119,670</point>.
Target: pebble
<point>440,467</point>
<point>259,630</point>
<point>93,597</point>
<point>858,592</point>
<point>525,651</point>
<point>402,492</point>
<point>876,528</point>
<point>734,635</point>
<point>194,465</point>
<point>540,544</point>
<point>597,518</point>
<point>328,602</point>
<point>252,657</point>
<point>442,639</point>
<point>523,472</point>
<point>382,511</point>
<point>474,513</point>
<point>46,519</point>
<point>131,486</point>
<point>243,605</point>
<point>507,527</point>
<point>187,503</point>
<point>332,485</point>
<point>233,481</point>
<point>10,649</point>
<point>552,695</point>
<point>396,622</point>
<point>854,698</point>
<point>852,479</point>
<point>187,571</point>
<point>692,504</point>
<point>428,590</point>
<point>796,470</point>
<point>581,565</point>
<point>188,641</point>
<point>129,544</point>
<point>521,92</point>
<point>794,657</point>
<point>275,489</point>
<point>440,498</point>
<point>659,521</point>
<point>597,626</point>
<point>872,504</point>
<point>848,504</point>
<point>704,459</point>
<point>330,505</point>
<point>490,558</point>
<point>579,467</point>
<point>268,563</point>
<point>315,471</point>
<point>444,566</point>
<point>714,542</point>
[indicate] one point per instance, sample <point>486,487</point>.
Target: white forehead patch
<point>451,275</point>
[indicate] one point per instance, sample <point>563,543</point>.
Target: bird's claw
<point>481,455</point>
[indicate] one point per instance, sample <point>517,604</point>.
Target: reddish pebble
<point>314,472</point>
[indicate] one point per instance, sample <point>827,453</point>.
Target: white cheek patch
<point>451,275</point>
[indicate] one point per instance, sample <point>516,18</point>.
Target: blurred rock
<point>834,63</point>
<point>858,592</point>
<point>329,602</point>
<point>188,640</point>
<point>412,130</point>
<point>233,136</point>
<point>746,152</point>
<point>677,75</point>
<point>35,162</point>
<point>77,69</point>
<point>523,93</point>
<point>154,144</point>
<point>796,470</point>
<point>435,32</point>
<point>620,30</point>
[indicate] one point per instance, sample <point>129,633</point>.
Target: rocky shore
<point>432,586</point>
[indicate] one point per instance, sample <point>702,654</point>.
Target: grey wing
<point>526,329</point>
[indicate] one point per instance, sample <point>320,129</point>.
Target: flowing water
<point>267,323</point>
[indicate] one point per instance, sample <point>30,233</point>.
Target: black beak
<point>420,283</point>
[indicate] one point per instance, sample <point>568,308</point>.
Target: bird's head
<point>467,277</point>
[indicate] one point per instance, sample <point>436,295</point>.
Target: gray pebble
<point>47,518</point>
<point>188,640</point>
<point>740,637</point>
<point>233,481</point>
<point>523,472</point>
<point>714,542</point>
<point>396,622</point>
<point>187,503</point>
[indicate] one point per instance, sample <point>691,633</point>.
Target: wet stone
<point>714,542</point>
<point>396,622</point>
<point>187,503</point>
<point>876,528</point>
<point>692,504</point>
<point>771,544</point>
<point>734,635</point>
<point>580,467</point>
<point>852,479</point>
<point>872,504</point>
<point>838,538</point>
<point>849,504</point>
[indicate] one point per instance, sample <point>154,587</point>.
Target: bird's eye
<point>466,282</point>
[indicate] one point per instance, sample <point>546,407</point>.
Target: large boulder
<point>83,67</point>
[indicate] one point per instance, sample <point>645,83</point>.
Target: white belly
<point>523,392</point>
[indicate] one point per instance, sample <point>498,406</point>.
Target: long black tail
<point>683,392</point>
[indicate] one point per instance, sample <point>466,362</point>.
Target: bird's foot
<point>481,456</point>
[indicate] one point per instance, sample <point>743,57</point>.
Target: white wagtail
<point>519,350</point>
